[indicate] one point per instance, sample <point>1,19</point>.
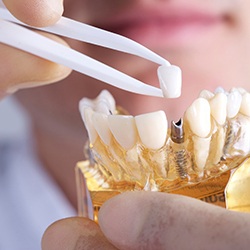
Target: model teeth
<point>103,103</point>
<point>123,129</point>
<point>219,90</point>
<point>87,117</point>
<point>245,105</point>
<point>218,105</point>
<point>206,94</point>
<point>233,103</point>
<point>100,122</point>
<point>242,91</point>
<point>198,117</point>
<point>201,151</point>
<point>138,149</point>
<point>152,129</point>
<point>170,80</point>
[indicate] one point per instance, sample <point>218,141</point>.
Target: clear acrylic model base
<point>172,169</point>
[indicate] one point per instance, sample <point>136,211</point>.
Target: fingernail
<point>122,219</point>
<point>56,6</point>
<point>74,233</point>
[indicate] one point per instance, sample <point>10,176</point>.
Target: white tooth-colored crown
<point>170,78</point>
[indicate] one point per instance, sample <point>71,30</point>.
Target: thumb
<point>152,220</point>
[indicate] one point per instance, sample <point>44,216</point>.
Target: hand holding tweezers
<point>13,33</point>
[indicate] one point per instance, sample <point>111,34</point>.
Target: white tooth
<point>245,104</point>
<point>106,97</point>
<point>102,106</point>
<point>123,129</point>
<point>152,129</point>
<point>217,145</point>
<point>83,104</point>
<point>242,144</point>
<point>198,117</point>
<point>233,103</point>
<point>103,103</point>
<point>219,90</point>
<point>206,94</point>
<point>100,122</point>
<point>201,151</point>
<point>170,80</point>
<point>241,90</point>
<point>218,105</point>
<point>88,112</point>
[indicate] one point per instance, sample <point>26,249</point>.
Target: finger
<point>36,12</point>
<point>151,220</point>
<point>21,70</point>
<point>75,233</point>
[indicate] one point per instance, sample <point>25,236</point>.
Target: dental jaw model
<point>196,156</point>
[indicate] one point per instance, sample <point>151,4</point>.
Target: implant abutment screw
<point>177,131</point>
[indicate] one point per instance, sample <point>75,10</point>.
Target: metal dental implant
<point>178,147</point>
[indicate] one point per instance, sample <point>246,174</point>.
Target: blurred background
<point>13,119</point>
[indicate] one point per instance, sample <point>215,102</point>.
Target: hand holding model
<point>148,220</point>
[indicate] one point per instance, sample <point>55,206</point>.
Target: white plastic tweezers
<point>11,33</point>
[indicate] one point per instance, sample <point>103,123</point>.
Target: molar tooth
<point>88,112</point>
<point>152,129</point>
<point>103,103</point>
<point>123,129</point>
<point>102,106</point>
<point>170,80</point>
<point>206,94</point>
<point>219,90</point>
<point>106,97</point>
<point>233,103</point>
<point>245,104</point>
<point>100,122</point>
<point>218,105</point>
<point>85,103</point>
<point>241,90</point>
<point>198,117</point>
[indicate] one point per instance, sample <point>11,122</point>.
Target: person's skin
<point>212,54</point>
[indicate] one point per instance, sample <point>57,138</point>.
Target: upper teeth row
<point>152,128</point>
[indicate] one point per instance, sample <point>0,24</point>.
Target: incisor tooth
<point>123,129</point>
<point>233,103</point>
<point>218,105</point>
<point>198,117</point>
<point>170,80</point>
<point>100,122</point>
<point>152,129</point>
<point>245,104</point>
<point>88,112</point>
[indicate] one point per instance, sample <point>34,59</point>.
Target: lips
<point>166,27</point>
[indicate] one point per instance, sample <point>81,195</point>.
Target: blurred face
<point>209,40</point>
